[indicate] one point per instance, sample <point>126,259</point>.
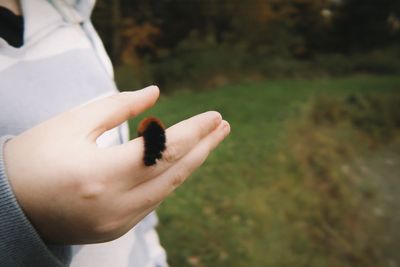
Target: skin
<point>12,5</point>
<point>75,192</point>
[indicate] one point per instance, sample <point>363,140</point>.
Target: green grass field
<point>249,205</point>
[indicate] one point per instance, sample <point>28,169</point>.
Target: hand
<point>75,192</point>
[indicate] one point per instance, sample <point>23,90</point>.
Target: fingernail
<point>148,89</point>
<point>217,119</point>
<point>151,87</point>
<point>226,127</point>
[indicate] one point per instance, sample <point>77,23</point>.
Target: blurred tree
<point>363,24</point>
<point>302,25</point>
<point>130,29</point>
<point>135,37</point>
<point>311,20</point>
<point>179,36</point>
<point>116,26</point>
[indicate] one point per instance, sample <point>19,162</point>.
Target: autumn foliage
<point>172,41</point>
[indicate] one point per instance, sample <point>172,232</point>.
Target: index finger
<point>106,113</point>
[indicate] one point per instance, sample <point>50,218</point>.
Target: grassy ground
<point>245,206</point>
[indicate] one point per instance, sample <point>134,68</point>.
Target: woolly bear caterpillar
<point>152,130</point>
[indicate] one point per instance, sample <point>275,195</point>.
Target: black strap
<point>11,27</point>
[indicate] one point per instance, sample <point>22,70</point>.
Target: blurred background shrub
<point>204,43</point>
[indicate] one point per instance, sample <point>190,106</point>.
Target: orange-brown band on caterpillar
<point>152,130</point>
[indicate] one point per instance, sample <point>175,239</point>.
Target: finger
<point>136,218</point>
<point>181,138</point>
<point>130,220</point>
<point>109,112</point>
<point>155,190</point>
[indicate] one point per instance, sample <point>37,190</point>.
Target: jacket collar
<point>39,15</point>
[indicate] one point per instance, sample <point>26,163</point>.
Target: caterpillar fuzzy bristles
<point>154,137</point>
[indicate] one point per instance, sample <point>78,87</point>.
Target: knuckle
<point>171,154</point>
<point>107,228</point>
<point>178,178</point>
<point>149,201</point>
<point>92,190</point>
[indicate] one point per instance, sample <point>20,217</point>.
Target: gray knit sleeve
<point>20,244</point>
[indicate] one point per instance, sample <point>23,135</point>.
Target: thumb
<point>109,112</point>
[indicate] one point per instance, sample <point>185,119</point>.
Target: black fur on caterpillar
<point>152,130</point>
